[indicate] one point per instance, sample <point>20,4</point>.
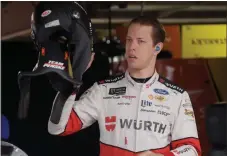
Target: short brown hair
<point>158,34</point>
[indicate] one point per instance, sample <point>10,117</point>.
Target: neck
<point>143,73</point>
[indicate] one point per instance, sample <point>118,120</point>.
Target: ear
<point>158,48</point>
<point>91,60</point>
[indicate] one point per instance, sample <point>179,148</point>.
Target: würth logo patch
<point>110,123</point>
<point>169,84</point>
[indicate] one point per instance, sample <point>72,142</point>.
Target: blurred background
<point>194,56</point>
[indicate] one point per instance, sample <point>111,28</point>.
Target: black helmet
<point>62,33</point>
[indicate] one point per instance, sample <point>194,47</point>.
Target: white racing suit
<point>134,117</point>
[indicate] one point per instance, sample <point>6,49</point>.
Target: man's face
<point>139,46</point>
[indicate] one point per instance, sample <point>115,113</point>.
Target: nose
<point>132,45</point>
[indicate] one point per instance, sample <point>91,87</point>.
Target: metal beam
<point>19,33</point>
<point>164,21</point>
<point>163,7</point>
<point>171,14</point>
<point>104,21</point>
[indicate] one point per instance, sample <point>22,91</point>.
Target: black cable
<point>110,31</point>
<point>109,22</point>
<point>213,81</point>
<point>172,11</point>
<point>33,4</point>
<point>142,7</point>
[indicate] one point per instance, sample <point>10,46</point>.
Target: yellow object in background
<point>204,41</point>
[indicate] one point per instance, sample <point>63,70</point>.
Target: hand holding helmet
<point>62,34</point>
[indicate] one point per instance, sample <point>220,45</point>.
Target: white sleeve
<point>185,141</point>
<point>77,115</point>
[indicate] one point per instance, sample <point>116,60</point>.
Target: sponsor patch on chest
<point>161,91</point>
<point>117,91</point>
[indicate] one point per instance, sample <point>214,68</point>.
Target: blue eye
<point>140,41</point>
<point>128,40</point>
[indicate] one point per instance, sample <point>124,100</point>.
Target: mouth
<point>132,57</point>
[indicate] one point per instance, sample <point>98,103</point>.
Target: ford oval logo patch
<point>161,91</point>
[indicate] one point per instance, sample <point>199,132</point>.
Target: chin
<point>133,67</point>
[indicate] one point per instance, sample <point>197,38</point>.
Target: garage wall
<point>16,17</point>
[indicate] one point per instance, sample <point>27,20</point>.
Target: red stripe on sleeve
<point>74,124</point>
<point>187,141</point>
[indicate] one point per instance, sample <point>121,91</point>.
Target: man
<point>140,112</point>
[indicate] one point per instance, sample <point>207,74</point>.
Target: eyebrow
<point>140,38</point>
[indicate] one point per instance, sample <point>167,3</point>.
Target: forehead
<point>139,31</point>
